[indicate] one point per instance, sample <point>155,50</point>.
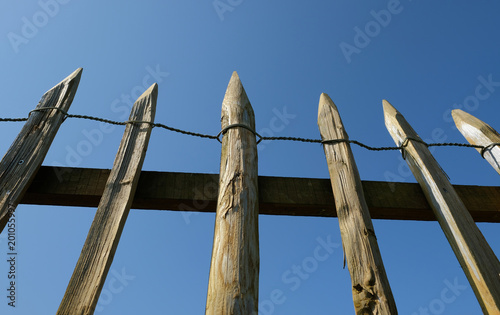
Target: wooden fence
<point>243,195</point>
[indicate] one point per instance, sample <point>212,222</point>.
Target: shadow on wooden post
<point>370,287</point>
<point>100,246</point>
<point>476,257</point>
<point>479,133</point>
<point>233,286</point>
<point>25,156</point>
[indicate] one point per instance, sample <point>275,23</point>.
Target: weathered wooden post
<point>476,257</point>
<point>370,287</point>
<point>100,246</point>
<point>479,133</point>
<point>233,286</point>
<point>26,154</point>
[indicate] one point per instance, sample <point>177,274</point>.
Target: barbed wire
<point>260,138</point>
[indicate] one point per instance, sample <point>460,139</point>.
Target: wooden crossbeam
<point>83,187</point>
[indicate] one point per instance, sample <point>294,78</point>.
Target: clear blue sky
<point>425,57</point>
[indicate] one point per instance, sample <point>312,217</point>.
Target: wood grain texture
<point>233,286</point>
<point>102,240</point>
<point>370,287</point>
<point>479,133</point>
<point>476,257</point>
<point>26,154</point>
<point>158,190</point>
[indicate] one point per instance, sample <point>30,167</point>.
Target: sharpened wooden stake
<point>370,287</point>
<point>26,154</point>
<point>476,257</point>
<point>233,286</point>
<point>479,133</point>
<point>98,251</point>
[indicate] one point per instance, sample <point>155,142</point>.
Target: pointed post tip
<point>463,118</point>
<point>153,86</point>
<point>146,102</point>
<point>72,80</point>
<point>235,77</point>
<point>236,97</point>
<point>459,115</point>
<point>327,108</point>
<point>153,89</point>
<point>76,73</point>
<point>388,108</point>
<point>325,100</point>
<point>235,87</point>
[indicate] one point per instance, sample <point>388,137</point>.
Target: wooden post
<point>370,287</point>
<point>98,251</point>
<point>233,286</point>
<point>479,133</point>
<point>24,157</point>
<point>476,257</point>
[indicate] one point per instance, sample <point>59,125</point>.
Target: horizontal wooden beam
<point>83,187</point>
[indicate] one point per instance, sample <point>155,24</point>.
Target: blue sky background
<point>426,59</point>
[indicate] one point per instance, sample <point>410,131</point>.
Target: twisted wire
<point>402,147</point>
